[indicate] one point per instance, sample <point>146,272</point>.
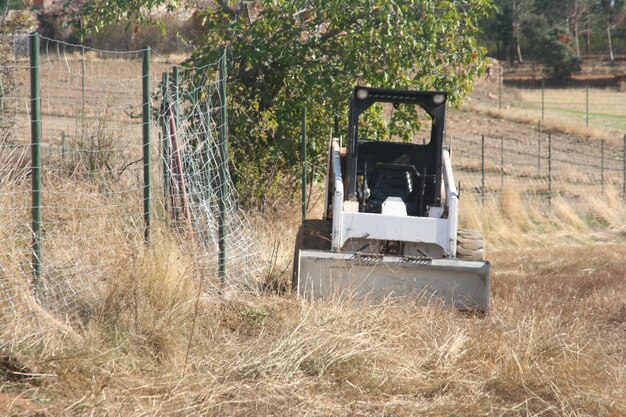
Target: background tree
<point>557,54</point>
<point>505,27</point>
<point>608,11</point>
<point>567,14</point>
<point>601,23</point>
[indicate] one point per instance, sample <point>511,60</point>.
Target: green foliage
<point>121,37</point>
<point>556,53</point>
<point>94,16</point>
<point>287,57</point>
<point>518,22</point>
<point>13,4</point>
<point>284,55</point>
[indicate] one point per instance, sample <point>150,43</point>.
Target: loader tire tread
<point>470,246</point>
<point>312,234</point>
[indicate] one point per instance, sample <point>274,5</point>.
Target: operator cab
<point>378,171</point>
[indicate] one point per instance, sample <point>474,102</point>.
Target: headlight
<point>362,94</point>
<point>439,98</point>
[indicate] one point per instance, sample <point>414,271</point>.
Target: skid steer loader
<point>391,215</point>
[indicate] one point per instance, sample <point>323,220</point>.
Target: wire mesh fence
<point>91,178</point>
<point>586,100</point>
<point>198,192</point>
<point>541,167</point>
<point>90,174</point>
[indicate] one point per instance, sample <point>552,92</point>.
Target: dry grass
<point>514,219</point>
<point>550,124</point>
<point>138,340</point>
<point>553,345</point>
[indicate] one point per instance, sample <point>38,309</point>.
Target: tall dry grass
<point>513,218</point>
<point>156,338</point>
<point>553,345</point>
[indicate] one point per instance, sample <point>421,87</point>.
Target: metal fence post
<point>550,169</point>
<point>602,164</point>
<point>147,116</point>
<point>543,90</point>
<point>165,85</point>
<point>482,168</point>
<point>502,163</point>
<point>35,131</point>
<point>500,89</point>
<point>624,170</point>
<point>83,75</point>
<point>303,156</point>
<point>1,100</point>
<point>539,148</point>
<point>587,105</point>
<point>176,98</point>
<point>63,145</point>
<point>223,170</point>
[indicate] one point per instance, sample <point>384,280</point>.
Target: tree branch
<point>230,10</point>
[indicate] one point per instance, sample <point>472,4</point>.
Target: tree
<point>311,53</point>
<point>94,15</point>
<point>566,13</point>
<point>15,24</point>
<point>609,10</point>
<point>557,54</point>
<point>506,25</point>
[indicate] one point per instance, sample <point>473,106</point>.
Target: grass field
<point>140,331</point>
<point>607,107</point>
<point>553,345</point>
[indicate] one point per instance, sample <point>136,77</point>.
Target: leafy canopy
<point>284,55</point>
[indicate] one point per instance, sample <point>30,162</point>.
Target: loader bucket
<point>460,284</point>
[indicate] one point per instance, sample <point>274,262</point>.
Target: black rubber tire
<point>312,234</point>
<point>470,246</point>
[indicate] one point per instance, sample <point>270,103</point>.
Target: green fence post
<point>83,75</point>
<point>223,167</point>
<point>500,89</point>
<point>502,163</point>
<point>176,98</point>
<point>1,100</point>
<point>550,169</point>
<point>63,145</point>
<point>35,132</point>
<point>147,116</point>
<point>482,168</point>
<point>303,156</point>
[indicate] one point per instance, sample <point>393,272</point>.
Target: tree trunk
<point>587,36</point>
<point>576,42</point>
<point>608,37</point>
<point>519,52</point>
